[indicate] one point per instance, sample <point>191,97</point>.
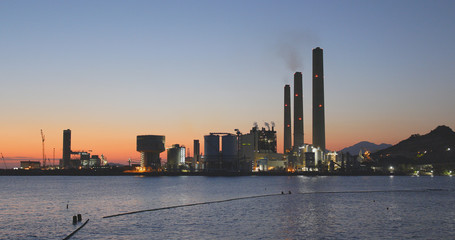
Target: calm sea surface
<point>35,207</point>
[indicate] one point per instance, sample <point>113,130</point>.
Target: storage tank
<point>211,145</point>
<point>229,152</point>
<point>229,146</point>
<point>212,152</point>
<point>175,157</point>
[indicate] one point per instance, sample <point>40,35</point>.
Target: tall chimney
<point>66,149</point>
<point>298,110</point>
<point>318,100</point>
<point>287,119</point>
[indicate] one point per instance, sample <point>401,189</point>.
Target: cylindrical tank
<point>229,152</point>
<point>175,157</point>
<point>229,147</point>
<point>212,152</point>
<point>211,145</point>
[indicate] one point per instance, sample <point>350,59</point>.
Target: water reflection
<point>35,207</point>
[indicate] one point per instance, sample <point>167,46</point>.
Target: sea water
<point>370,207</point>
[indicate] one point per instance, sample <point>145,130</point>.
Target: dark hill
<point>364,145</point>
<point>437,146</point>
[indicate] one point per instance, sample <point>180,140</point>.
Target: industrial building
<point>254,151</point>
<point>80,158</point>
<point>225,160</point>
<point>258,150</point>
<point>175,158</point>
<point>92,161</point>
<point>30,165</point>
<point>307,157</point>
<point>150,147</point>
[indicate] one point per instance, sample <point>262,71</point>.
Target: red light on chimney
<point>289,125</point>
<point>316,75</point>
<point>296,95</point>
<point>300,119</point>
<point>285,105</point>
<point>320,105</point>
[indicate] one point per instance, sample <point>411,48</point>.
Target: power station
<point>81,159</point>
<point>299,154</point>
<point>237,152</point>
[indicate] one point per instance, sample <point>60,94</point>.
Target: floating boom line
<point>269,195</point>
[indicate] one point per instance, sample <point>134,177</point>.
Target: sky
<point>112,70</point>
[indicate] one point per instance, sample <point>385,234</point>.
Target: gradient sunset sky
<point>112,70</point>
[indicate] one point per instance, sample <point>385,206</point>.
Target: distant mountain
<point>355,149</point>
<point>437,146</point>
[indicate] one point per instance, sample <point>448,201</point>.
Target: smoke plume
<point>291,48</point>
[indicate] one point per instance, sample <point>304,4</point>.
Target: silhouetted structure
<point>298,110</point>
<point>30,165</point>
<point>229,152</point>
<point>196,154</point>
<point>318,100</point>
<point>258,149</point>
<point>66,148</point>
<point>150,147</point>
<point>212,152</point>
<point>225,160</point>
<point>287,120</point>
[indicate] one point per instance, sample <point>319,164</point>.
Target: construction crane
<point>4,161</point>
<point>44,155</point>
